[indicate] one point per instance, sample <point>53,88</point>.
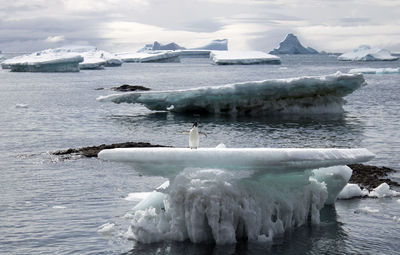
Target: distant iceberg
<point>366,53</point>
<point>243,58</point>
<point>44,61</point>
<point>156,46</point>
<point>291,45</point>
<point>92,57</point>
<point>303,95</point>
<point>150,56</point>
<point>375,70</point>
<point>1,56</point>
<point>63,59</point>
<point>219,44</point>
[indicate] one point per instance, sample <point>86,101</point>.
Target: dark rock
<point>127,87</point>
<point>370,177</point>
<point>92,151</point>
<point>99,89</point>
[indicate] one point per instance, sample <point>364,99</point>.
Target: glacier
<point>243,58</point>
<point>291,45</point>
<point>368,70</point>
<point>163,56</point>
<point>303,95</point>
<point>366,53</point>
<point>221,205</point>
<point>44,61</point>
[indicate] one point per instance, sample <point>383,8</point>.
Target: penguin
<point>194,139</point>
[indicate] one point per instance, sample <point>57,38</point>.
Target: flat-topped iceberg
<point>44,61</point>
<point>366,53</point>
<point>223,204</point>
<point>92,57</point>
<point>291,45</point>
<point>303,95</point>
<point>368,70</point>
<point>150,56</point>
<point>243,58</point>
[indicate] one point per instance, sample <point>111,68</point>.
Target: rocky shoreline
<point>366,176</point>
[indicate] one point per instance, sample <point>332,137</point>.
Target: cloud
<point>55,39</point>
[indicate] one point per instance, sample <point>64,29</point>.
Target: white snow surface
<point>352,190</point>
<point>303,95</point>
<point>243,58</point>
<point>375,70</point>
<point>168,162</point>
<point>51,60</point>
<point>383,190</point>
<point>211,204</point>
<point>150,56</point>
<point>366,53</point>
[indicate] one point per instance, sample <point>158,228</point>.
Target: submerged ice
<point>308,94</point>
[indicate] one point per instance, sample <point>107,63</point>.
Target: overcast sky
<point>120,25</point>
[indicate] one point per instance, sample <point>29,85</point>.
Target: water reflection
<point>328,130</point>
<point>328,237</point>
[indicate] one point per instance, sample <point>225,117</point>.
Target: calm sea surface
<point>52,205</point>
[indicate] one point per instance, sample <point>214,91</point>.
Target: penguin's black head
<point>195,124</point>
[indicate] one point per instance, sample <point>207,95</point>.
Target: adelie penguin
<point>194,138</point>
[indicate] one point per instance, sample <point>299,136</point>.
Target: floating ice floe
<point>106,229</point>
<point>44,61</point>
<point>228,194</point>
<point>375,70</point>
<point>21,106</point>
<point>150,56</point>
<point>92,57</point>
<point>291,45</point>
<point>243,58</point>
<point>353,190</point>
<point>303,95</point>
<point>366,53</point>
<point>366,210</point>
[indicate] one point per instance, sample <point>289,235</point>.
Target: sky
<point>127,25</point>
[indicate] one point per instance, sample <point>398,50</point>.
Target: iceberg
<point>366,53</point>
<point>269,191</point>
<point>308,94</point>
<point>291,45</point>
<point>44,61</point>
<point>92,57</point>
<point>375,70</point>
<point>150,56</point>
<point>170,46</point>
<point>243,58</point>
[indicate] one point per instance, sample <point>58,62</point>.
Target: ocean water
<point>55,205</point>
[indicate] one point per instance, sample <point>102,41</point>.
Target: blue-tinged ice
<point>303,95</point>
<point>243,58</point>
<point>63,59</point>
<point>368,70</point>
<point>291,45</point>
<point>223,195</point>
<point>162,56</point>
<point>44,61</point>
<point>366,53</point>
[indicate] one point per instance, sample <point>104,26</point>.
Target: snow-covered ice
<point>50,60</point>
<point>383,190</point>
<point>368,70</point>
<point>150,56</point>
<point>223,206</point>
<point>222,203</point>
<point>291,45</point>
<point>352,190</point>
<point>303,95</point>
<point>366,53</point>
<point>243,58</point>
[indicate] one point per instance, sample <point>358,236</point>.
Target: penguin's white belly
<point>194,139</point>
